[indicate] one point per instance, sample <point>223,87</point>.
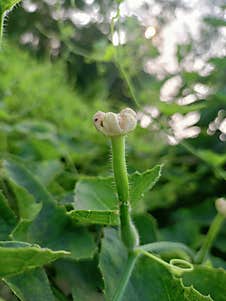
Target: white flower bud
<point>112,124</point>
<point>221,206</point>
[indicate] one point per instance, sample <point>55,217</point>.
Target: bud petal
<point>112,124</point>
<point>221,206</point>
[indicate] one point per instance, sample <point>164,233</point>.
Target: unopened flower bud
<point>112,124</point>
<point>221,206</point>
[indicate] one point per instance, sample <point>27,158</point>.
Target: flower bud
<point>112,124</point>
<point>221,206</point>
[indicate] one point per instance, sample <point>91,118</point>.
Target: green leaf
<point>143,182</point>
<point>135,278</point>
<point>16,172</point>
<point>16,257</point>
<point>7,4</point>
<point>83,279</point>
<point>208,281</point>
<point>109,217</point>
<point>147,228</point>
<point>52,227</point>
<point>95,194</point>
<point>95,200</point>
<point>31,285</point>
<point>27,207</point>
<point>7,218</point>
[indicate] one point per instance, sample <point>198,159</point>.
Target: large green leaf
<point>32,285</point>
<point>7,218</point>
<point>96,201</point>
<point>132,278</point>
<point>16,257</point>
<point>83,279</point>
<point>52,227</point>
<point>208,281</point>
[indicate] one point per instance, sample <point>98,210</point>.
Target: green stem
<point>119,167</point>
<point>129,233</point>
<point>162,246</point>
<point>209,239</point>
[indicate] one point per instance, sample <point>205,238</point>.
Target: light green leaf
<point>27,207</point>
<point>208,281</point>
<point>52,227</point>
<point>16,257</point>
<point>31,285</point>
<point>108,217</point>
<point>95,194</point>
<point>143,182</point>
<point>96,201</point>
<point>7,218</point>
<point>133,278</point>
<point>7,4</point>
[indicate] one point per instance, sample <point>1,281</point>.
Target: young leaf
<point>126,278</point>
<point>142,182</point>
<point>31,285</point>
<point>16,257</point>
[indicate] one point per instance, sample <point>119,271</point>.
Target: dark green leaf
<point>7,218</point>
<point>130,278</point>
<point>208,281</point>
<point>52,227</point>
<point>82,279</point>
<point>32,285</point>
<point>101,217</point>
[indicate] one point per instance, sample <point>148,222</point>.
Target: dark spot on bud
<point>95,119</point>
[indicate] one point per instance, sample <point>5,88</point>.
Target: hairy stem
<point>129,233</point>
<point>209,239</point>
<point>119,167</point>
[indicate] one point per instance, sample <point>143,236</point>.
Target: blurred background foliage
<point>63,60</point>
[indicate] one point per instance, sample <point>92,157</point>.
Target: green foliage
<point>17,257</point>
<point>59,221</point>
